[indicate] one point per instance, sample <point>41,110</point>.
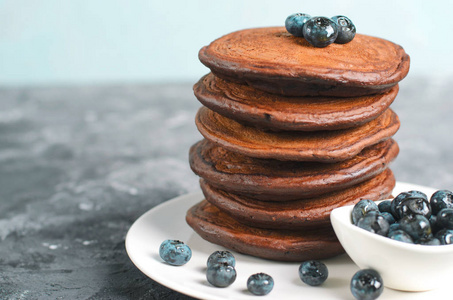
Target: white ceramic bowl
<point>403,266</point>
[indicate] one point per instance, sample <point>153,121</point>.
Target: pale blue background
<point>45,42</point>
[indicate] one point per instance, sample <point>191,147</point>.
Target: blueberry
<point>384,206</point>
<point>367,284</point>
<point>346,29</point>
<point>415,206</point>
<point>221,274</point>
<point>417,194</point>
<point>374,222</point>
<point>175,252</point>
<point>295,23</point>
<point>221,257</point>
<point>416,226</point>
<point>430,241</point>
<point>389,217</point>
<point>393,227</point>
<point>444,218</point>
<point>313,272</point>
<point>362,208</point>
<point>441,199</point>
<point>445,236</point>
<point>432,221</point>
<point>260,284</point>
<point>320,31</point>
<point>398,202</point>
<point>400,235</point>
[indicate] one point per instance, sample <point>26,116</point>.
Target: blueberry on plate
<point>400,235</point>
<point>367,284</point>
<point>346,29</point>
<point>295,23</point>
<point>417,226</point>
<point>362,208</point>
<point>313,272</point>
<point>320,31</point>
<point>260,284</point>
<point>445,236</point>
<point>441,199</point>
<point>175,252</point>
<point>444,218</point>
<point>384,206</point>
<point>374,222</point>
<point>221,274</point>
<point>221,257</point>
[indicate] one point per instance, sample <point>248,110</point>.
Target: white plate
<point>167,221</point>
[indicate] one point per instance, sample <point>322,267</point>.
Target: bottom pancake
<point>219,228</point>
<point>297,214</point>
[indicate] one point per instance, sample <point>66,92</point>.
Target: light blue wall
<point>93,41</point>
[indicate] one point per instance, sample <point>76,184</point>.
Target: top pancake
<point>270,111</point>
<point>273,60</point>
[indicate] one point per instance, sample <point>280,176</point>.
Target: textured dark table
<point>78,165</point>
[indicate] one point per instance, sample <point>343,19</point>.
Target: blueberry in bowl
<point>445,236</point>
<point>444,218</point>
<point>374,222</point>
<point>362,208</point>
<point>410,203</point>
<point>393,258</point>
<point>441,199</point>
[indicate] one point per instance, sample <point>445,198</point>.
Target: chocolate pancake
<point>244,103</point>
<point>298,214</point>
<point>269,179</point>
<point>285,245</point>
<point>321,146</point>
<point>271,59</point>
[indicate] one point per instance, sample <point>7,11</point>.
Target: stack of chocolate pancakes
<point>291,132</point>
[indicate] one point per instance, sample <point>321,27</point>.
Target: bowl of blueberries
<point>408,240</point>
